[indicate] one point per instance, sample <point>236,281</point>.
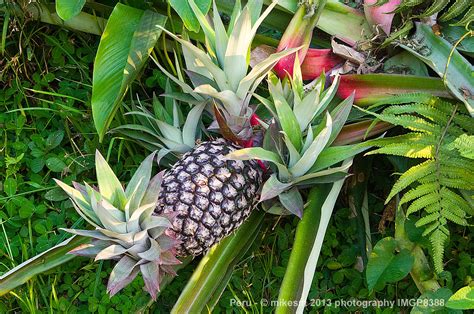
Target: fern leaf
<point>465,145</point>
<point>412,137</point>
<point>457,183</point>
<point>467,18</point>
<point>406,149</point>
<point>465,122</point>
<point>427,219</point>
<point>435,7</point>
<point>455,10</point>
<point>423,202</point>
<point>418,192</point>
<point>412,175</point>
<point>438,239</point>
<point>452,217</point>
<point>430,228</point>
<point>438,134</point>
<point>427,111</point>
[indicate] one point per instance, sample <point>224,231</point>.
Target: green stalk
<point>292,285</point>
<point>307,246</point>
<point>82,22</point>
<point>213,272</point>
<point>421,272</point>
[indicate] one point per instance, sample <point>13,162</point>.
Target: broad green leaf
<point>455,70</point>
<point>122,52</point>
<point>386,265</point>
<point>10,186</point>
<point>463,299</point>
<point>109,186</point>
<point>373,88</point>
<point>43,262</point>
<point>185,12</point>
<point>55,164</point>
<point>67,9</point>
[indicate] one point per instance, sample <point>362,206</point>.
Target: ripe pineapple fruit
<point>212,196</point>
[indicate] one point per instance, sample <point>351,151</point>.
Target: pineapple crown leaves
<point>166,130</point>
<point>221,72</point>
<point>126,229</point>
<point>301,130</point>
<point>435,188</point>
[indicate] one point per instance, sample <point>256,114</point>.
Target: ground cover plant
<point>216,156</point>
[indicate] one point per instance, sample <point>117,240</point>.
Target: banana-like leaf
<point>185,12</point>
<point>306,248</point>
<point>446,61</point>
<point>123,50</point>
<point>47,260</point>
<point>212,274</point>
<point>67,9</point>
<point>372,88</point>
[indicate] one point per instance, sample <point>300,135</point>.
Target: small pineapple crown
<point>221,71</point>
<point>301,129</point>
<point>126,230</point>
<point>167,130</point>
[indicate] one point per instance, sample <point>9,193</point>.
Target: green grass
<point>46,132</point>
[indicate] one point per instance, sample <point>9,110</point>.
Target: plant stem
<point>306,231</point>
<point>421,272</point>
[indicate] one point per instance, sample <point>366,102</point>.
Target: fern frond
<point>418,192</point>
<point>423,202</point>
<point>412,175</point>
<point>435,7</point>
<point>465,122</point>
<point>427,111</point>
<point>465,145</point>
<point>455,10</point>
<point>407,150</point>
<point>412,137</point>
<point>438,239</point>
<point>427,219</point>
<point>467,18</point>
<point>436,133</point>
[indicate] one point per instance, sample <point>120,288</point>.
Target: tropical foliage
<point>280,156</point>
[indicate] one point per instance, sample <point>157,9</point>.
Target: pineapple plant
<point>212,196</point>
<point>126,228</point>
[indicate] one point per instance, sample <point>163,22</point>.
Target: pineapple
<point>210,195</point>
